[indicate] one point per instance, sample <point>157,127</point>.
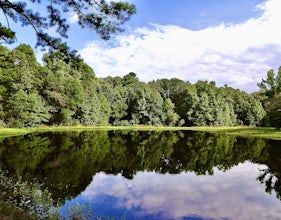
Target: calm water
<point>150,175</point>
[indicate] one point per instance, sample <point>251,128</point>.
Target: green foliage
<point>203,103</point>
<point>169,117</point>
<point>176,91</point>
<point>274,111</point>
<point>65,91</point>
<point>70,89</point>
<point>26,110</point>
<point>35,202</point>
<point>271,89</point>
<point>134,102</point>
<point>272,84</point>
<point>6,34</point>
<point>22,105</point>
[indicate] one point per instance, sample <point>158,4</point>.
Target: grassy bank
<point>268,133</point>
<point>6,132</point>
<point>259,132</point>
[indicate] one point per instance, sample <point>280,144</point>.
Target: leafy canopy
<point>98,15</point>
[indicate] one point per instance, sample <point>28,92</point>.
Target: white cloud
<point>236,54</point>
<point>235,194</point>
<point>73,18</point>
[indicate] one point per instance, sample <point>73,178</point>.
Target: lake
<point>143,175</point>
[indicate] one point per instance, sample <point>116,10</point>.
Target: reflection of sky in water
<point>235,194</point>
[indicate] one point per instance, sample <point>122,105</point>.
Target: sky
<point>233,42</point>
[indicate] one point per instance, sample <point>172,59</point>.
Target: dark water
<point>150,175</point>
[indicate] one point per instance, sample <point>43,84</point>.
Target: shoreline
<point>242,131</point>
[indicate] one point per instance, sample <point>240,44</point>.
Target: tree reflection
<point>271,176</point>
<point>271,182</point>
<point>66,161</point>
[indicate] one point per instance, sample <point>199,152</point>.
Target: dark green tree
<point>70,90</point>
<point>274,111</point>
<point>117,97</point>
<point>22,104</point>
<point>174,89</point>
<point>135,102</point>
<point>271,89</point>
<point>169,116</point>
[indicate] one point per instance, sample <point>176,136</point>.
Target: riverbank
<point>259,132</point>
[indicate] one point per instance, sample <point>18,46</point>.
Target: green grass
<point>6,132</point>
<point>259,132</point>
<point>268,133</point>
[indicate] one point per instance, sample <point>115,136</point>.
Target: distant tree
<point>66,91</point>
<point>144,104</point>
<point>70,89</point>
<point>130,78</point>
<point>272,84</point>
<point>98,15</point>
<point>169,117</point>
<point>135,102</point>
<point>270,88</point>
<point>26,110</point>
<point>175,90</point>
<point>274,111</point>
<point>117,97</point>
<point>22,104</point>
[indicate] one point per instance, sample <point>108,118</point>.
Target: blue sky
<point>232,42</point>
<point>193,14</point>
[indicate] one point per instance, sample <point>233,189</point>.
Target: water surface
<point>151,174</point>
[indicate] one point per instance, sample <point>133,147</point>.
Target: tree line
<point>63,90</point>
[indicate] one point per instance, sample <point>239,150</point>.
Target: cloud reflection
<point>235,194</point>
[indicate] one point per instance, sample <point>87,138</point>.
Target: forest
<point>63,90</point>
